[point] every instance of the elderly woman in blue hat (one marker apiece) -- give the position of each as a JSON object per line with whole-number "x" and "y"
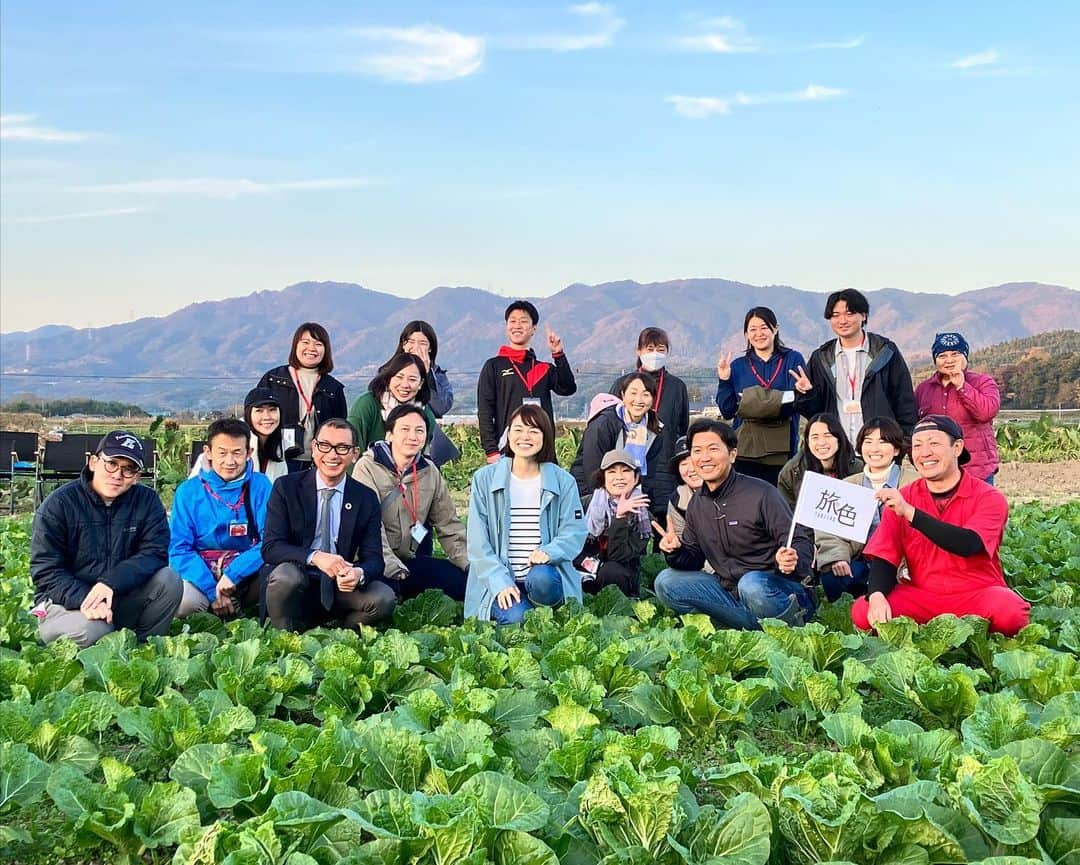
{"x": 970, "y": 398}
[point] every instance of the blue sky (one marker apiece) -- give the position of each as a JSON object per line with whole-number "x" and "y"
{"x": 158, "y": 154}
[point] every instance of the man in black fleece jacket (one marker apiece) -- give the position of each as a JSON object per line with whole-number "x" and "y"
{"x": 515, "y": 377}
{"x": 738, "y": 524}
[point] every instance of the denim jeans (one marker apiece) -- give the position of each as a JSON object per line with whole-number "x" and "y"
{"x": 855, "y": 585}
{"x": 761, "y": 595}
{"x": 542, "y": 587}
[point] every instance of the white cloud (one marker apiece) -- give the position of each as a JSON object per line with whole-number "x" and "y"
{"x": 720, "y": 36}
{"x": 87, "y": 214}
{"x": 701, "y": 107}
{"x": 228, "y": 188}
{"x": 982, "y": 58}
{"x": 418, "y": 55}
{"x": 841, "y": 44}
{"x": 603, "y": 23}
{"x": 20, "y": 127}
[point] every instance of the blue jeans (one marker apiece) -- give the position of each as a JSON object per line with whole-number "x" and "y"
{"x": 855, "y": 585}
{"x": 542, "y": 587}
{"x": 761, "y": 595}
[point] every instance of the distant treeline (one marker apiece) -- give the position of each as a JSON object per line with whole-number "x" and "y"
{"x": 75, "y": 405}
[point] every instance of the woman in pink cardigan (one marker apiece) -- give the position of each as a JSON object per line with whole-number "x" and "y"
{"x": 970, "y": 398}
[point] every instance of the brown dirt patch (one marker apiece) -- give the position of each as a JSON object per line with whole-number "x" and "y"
{"x": 1049, "y": 483}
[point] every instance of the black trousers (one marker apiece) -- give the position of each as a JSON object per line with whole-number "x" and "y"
{"x": 615, "y": 574}
{"x": 292, "y": 599}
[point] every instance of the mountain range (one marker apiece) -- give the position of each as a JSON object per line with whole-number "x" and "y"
{"x": 208, "y": 354}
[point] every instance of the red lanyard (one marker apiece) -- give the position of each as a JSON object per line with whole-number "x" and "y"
{"x": 235, "y": 508}
{"x": 307, "y": 402}
{"x": 855, "y": 375}
{"x": 414, "y": 511}
{"x": 659, "y": 392}
{"x": 519, "y": 375}
{"x": 772, "y": 378}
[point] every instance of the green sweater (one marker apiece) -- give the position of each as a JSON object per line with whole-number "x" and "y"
{"x": 366, "y": 416}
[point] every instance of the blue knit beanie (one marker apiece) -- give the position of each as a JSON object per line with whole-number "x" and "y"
{"x": 949, "y": 342}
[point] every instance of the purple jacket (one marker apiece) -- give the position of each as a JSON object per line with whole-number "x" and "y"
{"x": 974, "y": 407}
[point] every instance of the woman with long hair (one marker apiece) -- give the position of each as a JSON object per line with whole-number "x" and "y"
{"x": 401, "y": 381}
{"x": 825, "y": 450}
{"x": 525, "y": 526}
{"x": 755, "y": 390}
{"x": 418, "y": 338}
{"x": 630, "y": 425}
{"x": 262, "y": 414}
{"x": 306, "y": 392}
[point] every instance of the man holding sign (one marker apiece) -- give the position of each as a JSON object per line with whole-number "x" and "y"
{"x": 738, "y": 525}
{"x": 948, "y": 526}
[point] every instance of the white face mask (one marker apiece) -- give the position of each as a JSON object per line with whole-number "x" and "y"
{"x": 653, "y": 360}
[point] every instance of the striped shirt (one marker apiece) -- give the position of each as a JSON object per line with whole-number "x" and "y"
{"x": 524, "y": 522}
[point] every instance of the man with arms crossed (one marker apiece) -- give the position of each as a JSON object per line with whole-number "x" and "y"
{"x": 948, "y": 527}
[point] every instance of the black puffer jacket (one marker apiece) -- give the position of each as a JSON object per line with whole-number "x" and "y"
{"x": 328, "y": 399}
{"x": 78, "y": 540}
{"x": 606, "y": 432}
{"x": 674, "y": 413}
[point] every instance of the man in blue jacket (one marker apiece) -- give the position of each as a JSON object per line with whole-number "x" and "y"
{"x": 217, "y": 525}
{"x": 99, "y": 551}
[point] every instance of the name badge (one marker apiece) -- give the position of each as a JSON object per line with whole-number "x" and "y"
{"x": 852, "y": 407}
{"x": 238, "y": 530}
{"x": 419, "y": 531}
{"x": 530, "y": 400}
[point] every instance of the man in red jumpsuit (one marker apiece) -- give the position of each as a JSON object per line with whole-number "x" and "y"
{"x": 947, "y": 526}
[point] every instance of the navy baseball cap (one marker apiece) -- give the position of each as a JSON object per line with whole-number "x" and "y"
{"x": 121, "y": 443}
{"x": 944, "y": 423}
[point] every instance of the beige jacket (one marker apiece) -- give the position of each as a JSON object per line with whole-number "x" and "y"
{"x": 435, "y": 509}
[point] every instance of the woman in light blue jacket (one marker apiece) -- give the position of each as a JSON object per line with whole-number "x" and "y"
{"x": 526, "y": 525}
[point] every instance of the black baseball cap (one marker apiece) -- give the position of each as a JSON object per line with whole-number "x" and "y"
{"x": 944, "y": 423}
{"x": 121, "y": 443}
{"x": 260, "y": 396}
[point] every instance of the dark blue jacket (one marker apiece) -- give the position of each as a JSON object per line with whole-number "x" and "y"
{"x": 729, "y": 392}
{"x": 78, "y": 541}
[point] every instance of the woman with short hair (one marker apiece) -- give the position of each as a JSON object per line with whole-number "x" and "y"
{"x": 306, "y": 392}
{"x": 972, "y": 399}
{"x": 525, "y": 526}
{"x": 418, "y": 338}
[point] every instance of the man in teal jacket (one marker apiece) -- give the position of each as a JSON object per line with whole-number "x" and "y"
{"x": 217, "y": 524}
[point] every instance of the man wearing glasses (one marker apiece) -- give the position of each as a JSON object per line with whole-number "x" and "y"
{"x": 100, "y": 549}
{"x": 322, "y": 546}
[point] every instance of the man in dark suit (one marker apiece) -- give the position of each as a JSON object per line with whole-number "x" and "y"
{"x": 322, "y": 544}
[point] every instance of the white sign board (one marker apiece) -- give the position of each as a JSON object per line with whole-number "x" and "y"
{"x": 835, "y": 506}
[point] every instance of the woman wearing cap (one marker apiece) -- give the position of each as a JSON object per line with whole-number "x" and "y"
{"x": 825, "y": 450}
{"x": 402, "y": 381}
{"x": 619, "y": 527}
{"x": 672, "y": 407}
{"x": 755, "y": 390}
{"x": 839, "y": 562}
{"x": 262, "y": 414}
{"x": 525, "y": 526}
{"x": 306, "y": 393}
{"x": 630, "y": 425}
{"x": 972, "y": 399}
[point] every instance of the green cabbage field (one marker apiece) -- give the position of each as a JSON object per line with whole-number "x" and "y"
{"x": 613, "y": 733}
